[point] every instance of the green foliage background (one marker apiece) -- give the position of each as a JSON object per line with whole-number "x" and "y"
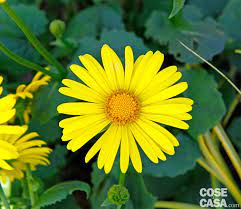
{"x": 211, "y": 28}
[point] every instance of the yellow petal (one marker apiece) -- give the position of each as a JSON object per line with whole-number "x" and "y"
{"x": 5, "y": 165}
{"x": 6, "y": 129}
{"x": 129, "y": 66}
{"x": 29, "y": 144}
{"x": 118, "y": 68}
{"x": 179, "y": 100}
{"x": 134, "y": 153}
{"x": 113, "y": 151}
{"x": 167, "y": 120}
{"x": 8, "y": 151}
{"x": 80, "y": 108}
{"x": 167, "y": 93}
{"x": 7, "y": 103}
{"x": 27, "y": 137}
{"x": 84, "y": 76}
{"x": 80, "y": 91}
{"x": 94, "y": 72}
{"x": 95, "y": 148}
{"x": 152, "y": 67}
{"x": 86, "y": 135}
{"x": 6, "y": 115}
{"x": 138, "y": 71}
{"x": 124, "y": 150}
{"x": 1, "y": 80}
{"x": 183, "y": 116}
{"x": 104, "y": 83}
{"x": 156, "y": 86}
{"x": 167, "y": 109}
{"x": 107, "y": 146}
{"x": 156, "y": 149}
{"x": 153, "y": 130}
{"x": 144, "y": 144}
{"x": 82, "y": 122}
{"x": 109, "y": 68}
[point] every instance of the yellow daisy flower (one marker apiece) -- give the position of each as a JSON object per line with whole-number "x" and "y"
{"x": 128, "y": 103}
{"x": 26, "y": 91}
{"x": 17, "y": 150}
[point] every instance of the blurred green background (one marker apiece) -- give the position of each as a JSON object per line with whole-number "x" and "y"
{"x": 211, "y": 28}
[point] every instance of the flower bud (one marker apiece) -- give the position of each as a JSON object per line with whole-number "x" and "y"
{"x": 118, "y": 195}
{"x": 57, "y": 28}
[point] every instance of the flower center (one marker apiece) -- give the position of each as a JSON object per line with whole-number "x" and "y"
{"x": 122, "y": 107}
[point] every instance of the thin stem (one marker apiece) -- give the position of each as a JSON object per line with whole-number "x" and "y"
{"x": 122, "y": 179}
{"x": 223, "y": 179}
{"x": 231, "y": 109}
{"x": 4, "y": 198}
{"x": 30, "y": 185}
{"x": 26, "y": 63}
{"x": 213, "y": 147}
{"x": 201, "y": 161}
{"x": 212, "y": 66}
{"x": 33, "y": 40}
{"x": 219, "y": 171}
{"x": 229, "y": 148}
{"x": 175, "y": 205}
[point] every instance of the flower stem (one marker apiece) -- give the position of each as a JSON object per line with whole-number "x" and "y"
{"x": 218, "y": 171}
{"x": 229, "y": 148}
{"x": 122, "y": 179}
{"x": 175, "y": 205}
{"x": 231, "y": 109}
{"x": 27, "y": 63}
{"x": 30, "y": 185}
{"x": 212, "y": 145}
{"x": 33, "y": 40}
{"x": 4, "y": 198}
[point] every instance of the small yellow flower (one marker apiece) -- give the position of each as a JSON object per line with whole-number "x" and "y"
{"x": 26, "y": 91}
{"x": 18, "y": 150}
{"x": 2, "y": 1}
{"x": 128, "y": 104}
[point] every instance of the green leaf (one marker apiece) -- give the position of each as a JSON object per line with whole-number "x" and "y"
{"x": 92, "y": 21}
{"x": 177, "y": 6}
{"x": 60, "y": 192}
{"x": 183, "y": 160}
{"x": 201, "y": 35}
{"x": 209, "y": 107}
{"x": 234, "y": 132}
{"x": 46, "y": 130}
{"x": 230, "y": 19}
{"x": 208, "y": 9}
{"x": 51, "y": 174}
{"x": 65, "y": 204}
{"x": 139, "y": 196}
{"x": 45, "y": 109}
{"x": 15, "y": 40}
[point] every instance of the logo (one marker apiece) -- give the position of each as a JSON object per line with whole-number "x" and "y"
{"x": 215, "y": 198}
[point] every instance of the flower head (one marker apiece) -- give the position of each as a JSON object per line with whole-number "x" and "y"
{"x": 18, "y": 150}
{"x": 128, "y": 104}
{"x": 26, "y": 91}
